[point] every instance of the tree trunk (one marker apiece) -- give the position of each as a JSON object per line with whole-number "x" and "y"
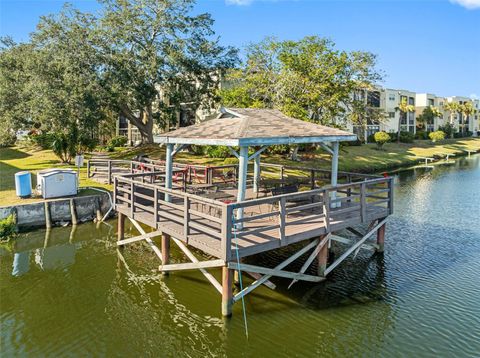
{"x": 294, "y": 154}
{"x": 144, "y": 122}
{"x": 399, "y": 127}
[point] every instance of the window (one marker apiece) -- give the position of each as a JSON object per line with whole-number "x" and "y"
{"x": 391, "y": 114}
{"x": 391, "y": 97}
{"x": 441, "y": 103}
{"x": 430, "y": 102}
{"x": 411, "y": 118}
{"x": 373, "y": 98}
{"x": 411, "y": 100}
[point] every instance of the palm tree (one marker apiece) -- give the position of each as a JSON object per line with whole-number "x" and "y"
{"x": 403, "y": 108}
{"x": 467, "y": 109}
{"x": 451, "y": 107}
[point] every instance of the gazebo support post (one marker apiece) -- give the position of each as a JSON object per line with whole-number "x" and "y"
{"x": 242, "y": 178}
{"x": 256, "y": 173}
{"x": 334, "y": 178}
{"x": 168, "y": 169}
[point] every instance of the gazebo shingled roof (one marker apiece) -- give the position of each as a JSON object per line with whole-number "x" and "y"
{"x": 252, "y": 127}
{"x": 247, "y": 127}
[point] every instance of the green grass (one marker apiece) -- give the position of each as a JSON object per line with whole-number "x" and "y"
{"x": 365, "y": 159}
{"x": 13, "y": 160}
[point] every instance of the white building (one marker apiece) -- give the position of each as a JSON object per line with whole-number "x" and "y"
{"x": 388, "y": 100}
{"x": 460, "y": 121}
{"x": 391, "y": 101}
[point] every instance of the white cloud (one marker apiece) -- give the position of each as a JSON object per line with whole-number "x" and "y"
{"x": 239, "y": 2}
{"x": 469, "y": 4}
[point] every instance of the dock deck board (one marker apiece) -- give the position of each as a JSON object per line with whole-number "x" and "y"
{"x": 299, "y": 227}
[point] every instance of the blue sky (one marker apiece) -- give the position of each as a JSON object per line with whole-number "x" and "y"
{"x": 424, "y": 46}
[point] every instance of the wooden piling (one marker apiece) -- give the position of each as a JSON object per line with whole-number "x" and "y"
{"x": 322, "y": 260}
{"x": 381, "y": 238}
{"x": 227, "y": 292}
{"x": 165, "y": 252}
{"x": 73, "y": 212}
{"x": 98, "y": 210}
{"x": 121, "y": 226}
{"x": 48, "y": 218}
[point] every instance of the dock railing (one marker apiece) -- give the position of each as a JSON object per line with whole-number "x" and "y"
{"x": 287, "y": 217}
{"x": 218, "y": 174}
{"x": 199, "y": 174}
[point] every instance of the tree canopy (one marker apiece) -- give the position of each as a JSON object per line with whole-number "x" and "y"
{"x": 308, "y": 79}
{"x": 143, "y": 59}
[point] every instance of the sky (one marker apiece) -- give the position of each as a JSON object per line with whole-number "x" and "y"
{"x": 424, "y": 46}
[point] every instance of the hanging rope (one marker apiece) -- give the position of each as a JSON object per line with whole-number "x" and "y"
{"x": 235, "y": 239}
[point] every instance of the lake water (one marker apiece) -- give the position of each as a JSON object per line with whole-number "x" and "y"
{"x": 69, "y": 293}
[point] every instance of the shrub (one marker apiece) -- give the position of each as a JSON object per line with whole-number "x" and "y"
{"x": 43, "y": 140}
{"x": 7, "y": 227}
{"x": 448, "y": 129}
{"x": 355, "y": 143}
{"x": 437, "y": 136}
{"x": 64, "y": 147}
{"x": 197, "y": 149}
{"x": 421, "y": 135}
{"x": 462, "y": 134}
{"x": 229, "y": 161}
{"x": 86, "y": 143}
{"x": 7, "y": 137}
{"x": 279, "y": 149}
{"x": 381, "y": 138}
{"x": 406, "y": 137}
{"x": 393, "y": 136}
{"x": 217, "y": 151}
{"x": 118, "y": 141}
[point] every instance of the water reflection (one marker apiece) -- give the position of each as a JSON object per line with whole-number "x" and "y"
{"x": 70, "y": 292}
{"x": 53, "y": 253}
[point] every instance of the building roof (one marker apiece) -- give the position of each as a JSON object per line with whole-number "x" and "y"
{"x": 250, "y": 126}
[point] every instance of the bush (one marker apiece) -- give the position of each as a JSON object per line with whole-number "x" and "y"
{"x": 279, "y": 149}
{"x": 381, "y": 138}
{"x": 64, "y": 147}
{"x": 462, "y": 134}
{"x": 86, "y": 143}
{"x": 355, "y": 143}
{"x": 7, "y": 137}
{"x": 448, "y": 129}
{"x": 437, "y": 136}
{"x": 197, "y": 149}
{"x": 406, "y": 137}
{"x": 217, "y": 151}
{"x": 421, "y": 135}
{"x": 118, "y": 141}
{"x": 7, "y": 227}
{"x": 43, "y": 140}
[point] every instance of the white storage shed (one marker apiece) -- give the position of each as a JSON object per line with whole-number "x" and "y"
{"x": 54, "y": 183}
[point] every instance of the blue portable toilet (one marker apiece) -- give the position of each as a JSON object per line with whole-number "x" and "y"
{"x": 23, "y": 184}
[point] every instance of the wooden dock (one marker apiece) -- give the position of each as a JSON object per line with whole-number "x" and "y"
{"x": 268, "y": 223}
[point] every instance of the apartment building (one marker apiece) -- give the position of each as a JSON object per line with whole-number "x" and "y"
{"x": 461, "y": 122}
{"x": 425, "y": 100}
{"x": 386, "y": 100}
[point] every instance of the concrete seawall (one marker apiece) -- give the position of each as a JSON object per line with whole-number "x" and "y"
{"x": 85, "y": 208}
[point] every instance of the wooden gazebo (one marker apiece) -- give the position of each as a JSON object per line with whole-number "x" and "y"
{"x": 231, "y": 231}
{"x": 258, "y": 128}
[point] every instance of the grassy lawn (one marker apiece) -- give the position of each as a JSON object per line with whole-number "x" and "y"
{"x": 13, "y": 160}
{"x": 365, "y": 159}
